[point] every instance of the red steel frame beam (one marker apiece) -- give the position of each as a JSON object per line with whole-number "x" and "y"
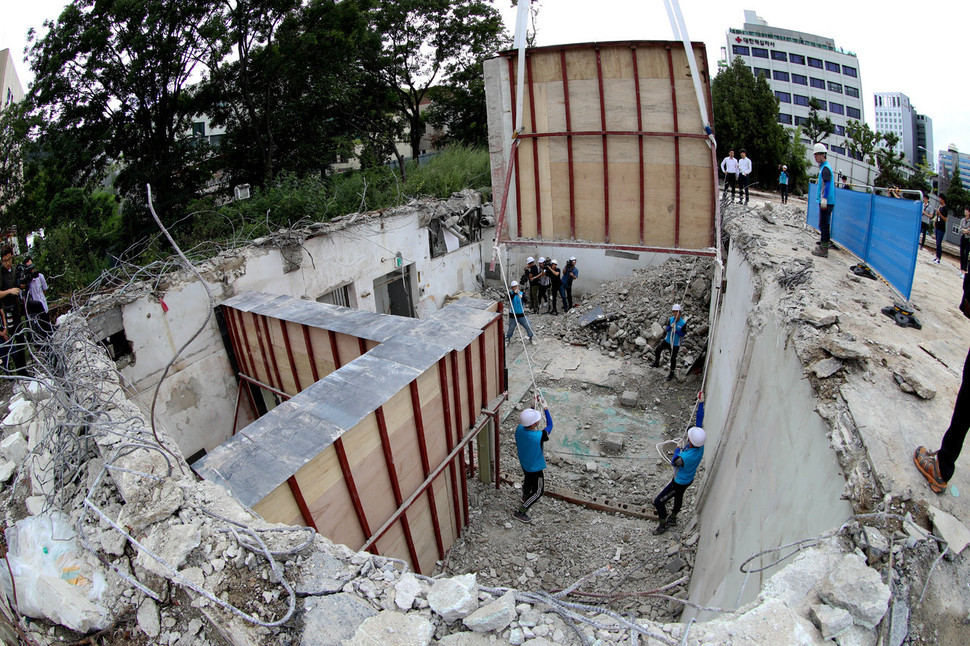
{"x": 235, "y": 412}
{"x": 467, "y": 354}
{"x": 289, "y": 355}
{"x": 272, "y": 355}
{"x": 594, "y": 245}
{"x": 396, "y": 485}
{"x": 603, "y": 133}
{"x": 446, "y": 415}
{"x": 333, "y": 349}
{"x": 309, "y": 352}
{"x": 606, "y": 157}
{"x": 426, "y": 466}
{"x": 249, "y": 347}
{"x": 348, "y": 475}
{"x": 262, "y": 349}
{"x": 535, "y": 148}
{"x": 448, "y": 461}
{"x": 362, "y": 345}
{"x": 515, "y": 157}
{"x": 503, "y": 386}
{"x": 673, "y": 98}
{"x": 457, "y": 388}
{"x": 234, "y": 340}
{"x": 301, "y": 502}
{"x": 636, "y": 91}
{"x": 569, "y": 145}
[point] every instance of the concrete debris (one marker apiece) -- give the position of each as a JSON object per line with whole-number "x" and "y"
{"x": 675, "y": 565}
{"x": 911, "y": 380}
{"x": 611, "y": 443}
{"x": 628, "y": 398}
{"x": 330, "y": 619}
{"x": 406, "y": 591}
{"x": 149, "y": 621}
{"x": 454, "y": 598}
{"x": 825, "y": 368}
{"x": 857, "y": 588}
{"x": 857, "y": 636}
{"x": 323, "y": 573}
{"x": 845, "y": 349}
{"x": 951, "y": 530}
{"x": 875, "y": 542}
{"x": 391, "y": 628}
{"x": 493, "y": 617}
{"x": 6, "y": 470}
{"x": 171, "y": 544}
{"x": 818, "y": 317}
{"x": 899, "y": 620}
{"x": 14, "y": 448}
{"x": 831, "y": 621}
{"x": 472, "y": 639}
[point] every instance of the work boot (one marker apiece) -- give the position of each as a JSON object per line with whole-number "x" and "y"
{"x": 662, "y": 527}
{"x": 672, "y": 520}
{"x": 521, "y": 516}
{"x": 820, "y": 251}
{"x": 532, "y": 341}
{"x": 928, "y": 464}
{"x": 670, "y": 376}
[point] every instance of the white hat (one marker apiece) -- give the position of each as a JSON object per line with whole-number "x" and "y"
{"x": 553, "y": 262}
{"x": 542, "y": 259}
{"x": 530, "y": 259}
{"x": 820, "y": 148}
{"x": 696, "y": 435}
{"x": 514, "y": 283}
{"x": 783, "y": 167}
{"x": 572, "y": 258}
{"x": 676, "y": 307}
{"x": 529, "y": 416}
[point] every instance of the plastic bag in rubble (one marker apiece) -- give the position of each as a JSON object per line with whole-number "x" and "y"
{"x": 53, "y": 579}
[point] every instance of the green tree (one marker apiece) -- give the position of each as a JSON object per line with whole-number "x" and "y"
{"x": 815, "y": 127}
{"x": 458, "y": 108}
{"x": 861, "y": 142}
{"x": 794, "y": 157}
{"x": 426, "y": 43}
{"x": 920, "y": 180}
{"x": 889, "y": 162}
{"x": 746, "y": 116}
{"x": 957, "y": 196}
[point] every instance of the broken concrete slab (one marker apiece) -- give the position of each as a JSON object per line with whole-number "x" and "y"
{"x": 857, "y": 636}
{"x": 950, "y": 529}
{"x": 843, "y": 348}
{"x": 149, "y": 621}
{"x": 875, "y": 541}
{"x": 917, "y": 381}
{"x": 330, "y": 619}
{"x": 14, "y": 448}
{"x": 454, "y": 598}
{"x": 493, "y": 617}
{"x": 830, "y": 621}
{"x": 471, "y": 639}
{"x": 825, "y": 368}
{"x": 628, "y": 398}
{"x": 7, "y": 470}
{"x": 171, "y": 544}
{"x": 322, "y": 573}
{"x": 611, "y": 443}
{"x": 406, "y": 591}
{"x": 391, "y": 628}
{"x": 818, "y": 317}
{"x": 857, "y": 588}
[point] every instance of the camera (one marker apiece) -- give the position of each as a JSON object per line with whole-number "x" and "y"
{"x": 25, "y": 273}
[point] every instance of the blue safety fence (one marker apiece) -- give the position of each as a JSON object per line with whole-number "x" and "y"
{"x": 882, "y": 231}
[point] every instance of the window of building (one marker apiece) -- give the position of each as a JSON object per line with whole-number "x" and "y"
{"x": 815, "y": 62}
{"x": 840, "y": 131}
{"x": 822, "y": 105}
{"x": 783, "y": 97}
{"x": 760, "y": 71}
{"x": 741, "y": 50}
{"x": 800, "y": 120}
{"x": 784, "y": 118}
{"x": 759, "y": 52}
{"x": 836, "y": 108}
{"x": 819, "y": 83}
{"x": 780, "y": 76}
{"x": 854, "y": 113}
{"x": 852, "y": 91}
{"x": 801, "y": 100}
{"x": 796, "y": 58}
{"x": 800, "y": 79}
{"x": 343, "y": 296}
{"x": 849, "y": 71}
{"x": 198, "y": 129}
{"x": 832, "y": 67}
{"x": 835, "y": 87}
{"x": 837, "y": 149}
{"x": 778, "y": 56}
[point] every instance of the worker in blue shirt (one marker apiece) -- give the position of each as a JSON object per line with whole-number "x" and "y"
{"x": 528, "y": 443}
{"x": 685, "y": 463}
{"x": 517, "y": 314}
{"x": 676, "y": 328}
{"x": 826, "y": 201}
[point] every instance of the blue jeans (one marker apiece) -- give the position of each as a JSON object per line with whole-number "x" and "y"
{"x": 939, "y": 242}
{"x": 524, "y": 322}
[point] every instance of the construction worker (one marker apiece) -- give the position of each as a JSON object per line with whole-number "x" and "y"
{"x": 685, "y": 463}
{"x": 676, "y": 328}
{"x": 783, "y": 184}
{"x": 528, "y": 444}
{"x": 533, "y": 277}
{"x": 517, "y": 314}
{"x": 826, "y": 200}
{"x": 570, "y": 274}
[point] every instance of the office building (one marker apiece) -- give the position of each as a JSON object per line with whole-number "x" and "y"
{"x": 10, "y": 89}
{"x": 895, "y": 114}
{"x": 924, "y": 139}
{"x": 799, "y": 67}
{"x": 948, "y": 160}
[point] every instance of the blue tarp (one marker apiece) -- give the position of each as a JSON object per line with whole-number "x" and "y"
{"x": 882, "y": 231}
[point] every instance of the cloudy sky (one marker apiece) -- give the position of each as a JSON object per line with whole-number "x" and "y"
{"x": 917, "y": 48}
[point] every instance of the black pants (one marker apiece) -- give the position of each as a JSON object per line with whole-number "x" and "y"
{"x": 730, "y": 179}
{"x": 673, "y": 354}
{"x": 555, "y": 292}
{"x": 784, "y": 193}
{"x": 672, "y": 490}
{"x": 743, "y": 187}
{"x": 567, "y": 301}
{"x": 534, "y": 296}
{"x": 964, "y": 252}
{"x": 959, "y": 423}
{"x": 542, "y": 294}
{"x": 533, "y": 484}
{"x": 924, "y": 227}
{"x": 13, "y": 351}
{"x": 824, "y": 224}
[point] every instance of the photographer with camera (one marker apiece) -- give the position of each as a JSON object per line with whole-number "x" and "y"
{"x": 11, "y": 313}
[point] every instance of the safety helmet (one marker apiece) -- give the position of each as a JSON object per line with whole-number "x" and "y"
{"x": 542, "y": 259}
{"x": 553, "y": 262}
{"x": 514, "y": 283}
{"x": 676, "y": 307}
{"x": 696, "y": 435}
{"x": 530, "y": 259}
{"x": 572, "y": 258}
{"x": 529, "y": 416}
{"x": 820, "y": 148}
{"x": 783, "y": 167}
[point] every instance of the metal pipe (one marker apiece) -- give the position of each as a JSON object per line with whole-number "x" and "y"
{"x": 272, "y": 389}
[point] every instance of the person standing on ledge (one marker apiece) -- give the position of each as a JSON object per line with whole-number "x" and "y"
{"x": 528, "y": 444}
{"x": 685, "y": 463}
{"x": 676, "y": 328}
{"x": 744, "y": 176}
{"x": 729, "y": 166}
{"x": 783, "y": 184}
{"x": 938, "y": 467}
{"x": 826, "y": 200}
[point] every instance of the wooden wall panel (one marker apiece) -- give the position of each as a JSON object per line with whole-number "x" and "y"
{"x": 280, "y": 507}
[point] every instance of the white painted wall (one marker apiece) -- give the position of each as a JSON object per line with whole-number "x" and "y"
{"x": 197, "y": 398}
{"x": 770, "y": 477}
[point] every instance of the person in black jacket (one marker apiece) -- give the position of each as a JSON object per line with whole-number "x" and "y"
{"x": 555, "y": 284}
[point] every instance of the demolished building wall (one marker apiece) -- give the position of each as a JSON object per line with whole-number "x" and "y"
{"x": 158, "y": 317}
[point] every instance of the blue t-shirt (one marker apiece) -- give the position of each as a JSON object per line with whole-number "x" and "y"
{"x": 517, "y": 303}
{"x": 684, "y": 475}
{"x": 783, "y": 178}
{"x": 571, "y": 274}
{"x": 528, "y": 443}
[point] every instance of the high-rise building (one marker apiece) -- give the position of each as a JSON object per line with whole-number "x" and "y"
{"x": 949, "y": 159}
{"x": 10, "y": 89}
{"x": 800, "y": 67}
{"x": 895, "y": 114}
{"x": 924, "y": 139}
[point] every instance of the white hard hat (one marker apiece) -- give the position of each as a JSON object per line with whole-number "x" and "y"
{"x": 514, "y": 283}
{"x": 696, "y": 435}
{"x": 542, "y": 258}
{"x": 820, "y": 148}
{"x": 572, "y": 258}
{"x": 529, "y": 416}
{"x": 783, "y": 167}
{"x": 530, "y": 259}
{"x": 553, "y": 262}
{"x": 676, "y": 307}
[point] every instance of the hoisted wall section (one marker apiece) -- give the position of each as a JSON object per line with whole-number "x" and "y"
{"x": 372, "y": 454}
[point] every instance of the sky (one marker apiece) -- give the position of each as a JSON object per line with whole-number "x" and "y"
{"x": 917, "y": 48}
